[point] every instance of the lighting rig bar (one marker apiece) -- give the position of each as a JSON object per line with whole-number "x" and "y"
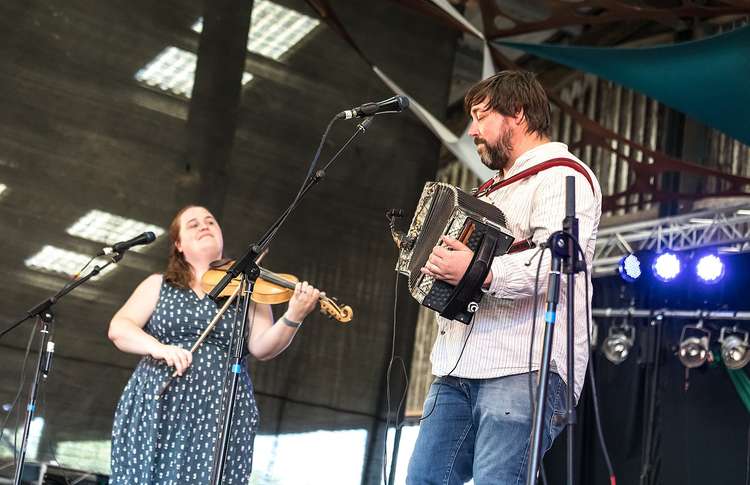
{"x": 724, "y": 228}
{"x": 690, "y": 314}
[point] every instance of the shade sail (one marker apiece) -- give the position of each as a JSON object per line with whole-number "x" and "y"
{"x": 707, "y": 79}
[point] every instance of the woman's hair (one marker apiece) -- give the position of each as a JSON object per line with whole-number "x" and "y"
{"x": 179, "y": 272}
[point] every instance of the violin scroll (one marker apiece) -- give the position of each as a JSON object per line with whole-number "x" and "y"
{"x": 328, "y": 306}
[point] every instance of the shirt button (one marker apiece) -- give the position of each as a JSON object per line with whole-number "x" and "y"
{"x": 442, "y": 332}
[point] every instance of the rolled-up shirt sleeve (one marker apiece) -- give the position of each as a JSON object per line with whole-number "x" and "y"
{"x": 512, "y": 275}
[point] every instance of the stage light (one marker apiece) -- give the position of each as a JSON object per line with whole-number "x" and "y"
{"x": 710, "y": 269}
{"x": 666, "y": 267}
{"x": 594, "y": 337}
{"x": 630, "y": 268}
{"x": 734, "y": 347}
{"x": 693, "y": 350}
{"x": 616, "y": 347}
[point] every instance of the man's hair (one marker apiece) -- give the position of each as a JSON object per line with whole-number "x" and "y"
{"x": 509, "y": 92}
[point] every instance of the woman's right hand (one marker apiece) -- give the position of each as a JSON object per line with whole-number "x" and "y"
{"x": 174, "y": 356}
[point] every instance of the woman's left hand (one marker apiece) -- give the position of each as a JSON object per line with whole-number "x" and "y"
{"x": 304, "y": 300}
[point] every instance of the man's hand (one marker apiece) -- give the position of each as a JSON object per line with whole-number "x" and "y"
{"x": 449, "y": 262}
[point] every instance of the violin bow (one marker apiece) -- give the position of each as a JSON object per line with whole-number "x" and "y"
{"x": 200, "y": 340}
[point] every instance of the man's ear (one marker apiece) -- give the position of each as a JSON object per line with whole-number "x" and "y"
{"x": 519, "y": 119}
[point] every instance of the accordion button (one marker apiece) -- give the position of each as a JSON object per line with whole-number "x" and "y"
{"x": 442, "y": 332}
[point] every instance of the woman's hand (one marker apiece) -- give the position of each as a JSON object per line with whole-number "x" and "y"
{"x": 303, "y": 301}
{"x": 174, "y": 356}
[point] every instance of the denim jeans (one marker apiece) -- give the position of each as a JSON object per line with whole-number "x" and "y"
{"x": 481, "y": 429}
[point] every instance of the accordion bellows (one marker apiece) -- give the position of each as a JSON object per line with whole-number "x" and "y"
{"x": 446, "y": 210}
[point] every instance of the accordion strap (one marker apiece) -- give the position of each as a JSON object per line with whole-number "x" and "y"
{"x": 468, "y": 288}
{"x": 488, "y": 187}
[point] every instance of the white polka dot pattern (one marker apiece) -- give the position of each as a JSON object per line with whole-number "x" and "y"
{"x": 171, "y": 441}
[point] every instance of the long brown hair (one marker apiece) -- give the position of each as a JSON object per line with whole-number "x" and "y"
{"x": 509, "y": 92}
{"x": 179, "y": 272}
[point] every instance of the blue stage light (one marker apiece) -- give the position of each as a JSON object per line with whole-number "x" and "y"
{"x": 710, "y": 269}
{"x": 630, "y": 268}
{"x": 666, "y": 267}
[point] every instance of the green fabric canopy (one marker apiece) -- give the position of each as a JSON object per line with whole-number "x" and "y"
{"x": 707, "y": 79}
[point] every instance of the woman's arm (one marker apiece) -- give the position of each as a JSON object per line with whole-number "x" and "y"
{"x": 267, "y": 340}
{"x": 126, "y": 328}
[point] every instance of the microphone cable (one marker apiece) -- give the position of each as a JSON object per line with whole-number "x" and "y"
{"x": 19, "y": 392}
{"x": 308, "y": 177}
{"x": 406, "y": 386}
{"x": 392, "y": 359}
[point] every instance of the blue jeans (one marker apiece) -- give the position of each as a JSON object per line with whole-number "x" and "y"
{"x": 481, "y": 429}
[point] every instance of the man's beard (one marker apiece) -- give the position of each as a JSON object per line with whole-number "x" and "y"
{"x": 496, "y": 156}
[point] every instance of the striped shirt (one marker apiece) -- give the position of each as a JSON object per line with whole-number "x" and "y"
{"x": 499, "y": 343}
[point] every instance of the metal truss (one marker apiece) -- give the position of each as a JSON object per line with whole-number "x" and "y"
{"x": 724, "y": 228}
{"x": 691, "y": 314}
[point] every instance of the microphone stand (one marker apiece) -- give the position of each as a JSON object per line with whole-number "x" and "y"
{"x": 247, "y": 267}
{"x": 564, "y": 259}
{"x": 43, "y": 311}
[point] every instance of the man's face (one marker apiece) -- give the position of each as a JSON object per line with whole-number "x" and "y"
{"x": 492, "y": 135}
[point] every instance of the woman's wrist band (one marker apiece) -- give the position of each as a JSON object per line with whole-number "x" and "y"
{"x": 290, "y": 323}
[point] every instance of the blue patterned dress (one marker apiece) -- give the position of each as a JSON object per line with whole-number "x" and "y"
{"x": 170, "y": 441}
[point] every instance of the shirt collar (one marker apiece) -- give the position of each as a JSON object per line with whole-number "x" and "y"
{"x": 536, "y": 156}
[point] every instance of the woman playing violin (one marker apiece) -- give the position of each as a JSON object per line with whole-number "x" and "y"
{"x": 170, "y": 441}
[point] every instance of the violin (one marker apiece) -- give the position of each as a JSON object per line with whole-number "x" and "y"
{"x": 271, "y": 288}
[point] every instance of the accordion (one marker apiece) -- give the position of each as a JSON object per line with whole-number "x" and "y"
{"x": 446, "y": 210}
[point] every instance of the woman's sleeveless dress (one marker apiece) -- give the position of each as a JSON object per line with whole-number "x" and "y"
{"x": 170, "y": 441}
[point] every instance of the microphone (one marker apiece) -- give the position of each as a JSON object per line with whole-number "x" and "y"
{"x": 121, "y": 247}
{"x": 395, "y": 104}
{"x": 47, "y": 358}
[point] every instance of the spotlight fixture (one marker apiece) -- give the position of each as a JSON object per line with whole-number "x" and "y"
{"x": 620, "y": 338}
{"x": 693, "y": 350}
{"x": 629, "y": 268}
{"x": 710, "y": 269}
{"x": 666, "y": 267}
{"x": 735, "y": 351}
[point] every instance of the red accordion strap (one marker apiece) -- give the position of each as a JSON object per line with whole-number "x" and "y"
{"x": 488, "y": 187}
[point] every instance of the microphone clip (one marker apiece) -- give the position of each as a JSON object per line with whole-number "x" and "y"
{"x": 399, "y": 237}
{"x": 365, "y": 123}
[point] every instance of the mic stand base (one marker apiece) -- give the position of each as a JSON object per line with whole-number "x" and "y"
{"x": 241, "y": 331}
{"x": 46, "y": 320}
{"x": 564, "y": 247}
{"x": 553, "y": 296}
{"x": 247, "y": 265}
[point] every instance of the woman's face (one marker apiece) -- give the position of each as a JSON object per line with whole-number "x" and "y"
{"x": 200, "y": 235}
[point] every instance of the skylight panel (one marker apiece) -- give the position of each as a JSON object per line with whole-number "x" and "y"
{"x": 109, "y": 228}
{"x": 173, "y": 70}
{"x": 274, "y": 29}
{"x": 52, "y": 259}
